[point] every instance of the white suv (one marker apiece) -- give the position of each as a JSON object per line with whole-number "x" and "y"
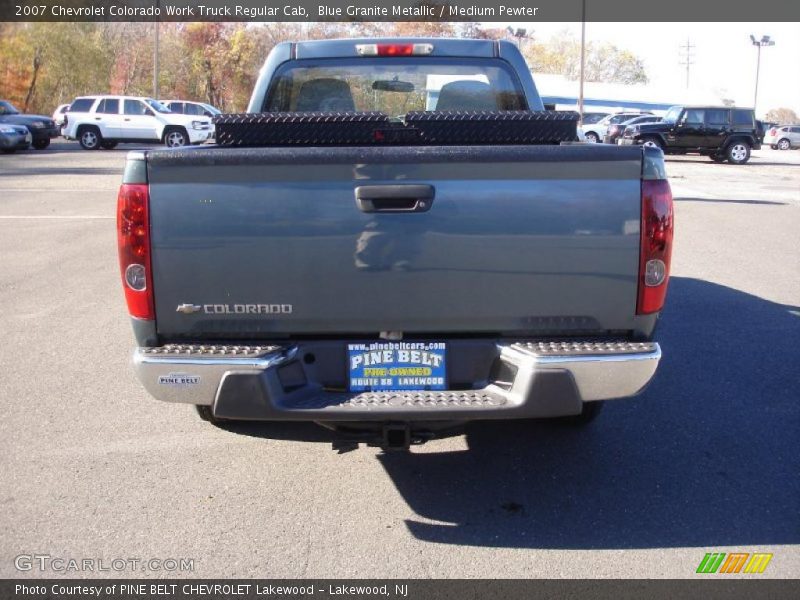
{"x": 105, "y": 121}
{"x": 188, "y": 107}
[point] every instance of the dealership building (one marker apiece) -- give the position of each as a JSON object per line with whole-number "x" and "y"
{"x": 562, "y": 94}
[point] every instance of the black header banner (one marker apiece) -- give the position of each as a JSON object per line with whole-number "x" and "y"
{"x": 392, "y": 589}
{"x": 401, "y": 10}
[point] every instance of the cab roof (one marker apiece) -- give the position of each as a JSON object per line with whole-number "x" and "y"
{"x": 452, "y": 47}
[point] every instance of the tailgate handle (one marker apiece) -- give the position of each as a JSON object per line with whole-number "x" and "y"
{"x": 400, "y": 198}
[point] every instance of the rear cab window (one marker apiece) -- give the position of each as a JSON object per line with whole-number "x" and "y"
{"x": 394, "y": 86}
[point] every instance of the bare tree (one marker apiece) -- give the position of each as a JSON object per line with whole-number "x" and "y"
{"x": 782, "y": 116}
{"x": 37, "y": 64}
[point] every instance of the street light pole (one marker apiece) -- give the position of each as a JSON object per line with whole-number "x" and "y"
{"x": 764, "y": 41}
{"x": 155, "y": 63}
{"x": 155, "y": 53}
{"x": 519, "y": 34}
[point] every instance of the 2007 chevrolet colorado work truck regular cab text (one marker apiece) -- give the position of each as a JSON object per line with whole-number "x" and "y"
{"x": 395, "y": 238}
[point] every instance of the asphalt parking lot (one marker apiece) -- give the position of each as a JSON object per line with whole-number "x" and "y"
{"x": 705, "y": 460}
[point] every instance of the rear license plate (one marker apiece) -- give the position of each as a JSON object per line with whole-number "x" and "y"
{"x": 390, "y": 366}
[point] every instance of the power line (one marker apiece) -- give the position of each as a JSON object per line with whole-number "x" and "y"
{"x": 687, "y": 55}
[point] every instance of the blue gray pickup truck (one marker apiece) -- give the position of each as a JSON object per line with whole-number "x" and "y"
{"x": 419, "y": 245}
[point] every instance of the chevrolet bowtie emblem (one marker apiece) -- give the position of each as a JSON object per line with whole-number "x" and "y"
{"x": 188, "y": 309}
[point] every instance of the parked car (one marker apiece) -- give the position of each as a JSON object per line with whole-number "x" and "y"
{"x": 783, "y": 138}
{"x": 14, "y": 137}
{"x": 767, "y": 125}
{"x": 615, "y": 131}
{"x": 392, "y": 289}
{"x": 42, "y": 128}
{"x": 105, "y": 121}
{"x": 719, "y": 132}
{"x": 188, "y": 107}
{"x": 595, "y": 132}
{"x": 58, "y": 114}
{"x": 589, "y": 118}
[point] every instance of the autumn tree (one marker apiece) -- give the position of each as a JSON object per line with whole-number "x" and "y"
{"x": 605, "y": 62}
{"x": 435, "y": 29}
{"x": 782, "y": 116}
{"x": 561, "y": 55}
{"x": 44, "y": 64}
{"x": 130, "y": 50}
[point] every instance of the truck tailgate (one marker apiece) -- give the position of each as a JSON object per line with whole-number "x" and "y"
{"x": 514, "y": 239}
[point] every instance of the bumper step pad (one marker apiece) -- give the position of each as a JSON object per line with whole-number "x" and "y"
{"x": 537, "y": 378}
{"x": 562, "y": 348}
{"x": 417, "y": 400}
{"x": 209, "y": 351}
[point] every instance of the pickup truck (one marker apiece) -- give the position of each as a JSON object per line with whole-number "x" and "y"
{"x": 390, "y": 290}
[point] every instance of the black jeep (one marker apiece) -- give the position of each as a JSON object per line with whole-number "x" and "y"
{"x": 719, "y": 132}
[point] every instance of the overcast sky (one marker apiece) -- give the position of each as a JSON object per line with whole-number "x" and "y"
{"x": 724, "y": 59}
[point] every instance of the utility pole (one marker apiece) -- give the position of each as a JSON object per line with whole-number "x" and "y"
{"x": 155, "y": 64}
{"x": 687, "y": 56}
{"x": 764, "y": 41}
{"x": 155, "y": 55}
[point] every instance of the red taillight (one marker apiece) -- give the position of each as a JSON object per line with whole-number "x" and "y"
{"x": 395, "y": 49}
{"x": 773, "y": 131}
{"x": 656, "y": 245}
{"x": 133, "y": 241}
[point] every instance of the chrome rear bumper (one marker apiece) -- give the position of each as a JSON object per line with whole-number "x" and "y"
{"x": 527, "y": 379}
